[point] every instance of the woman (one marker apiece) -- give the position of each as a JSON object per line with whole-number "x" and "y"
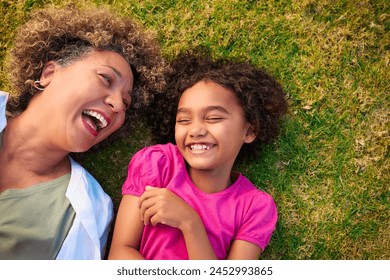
{"x": 75, "y": 73}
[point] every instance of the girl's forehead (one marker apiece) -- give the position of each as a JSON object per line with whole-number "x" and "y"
{"x": 205, "y": 95}
{"x": 208, "y": 92}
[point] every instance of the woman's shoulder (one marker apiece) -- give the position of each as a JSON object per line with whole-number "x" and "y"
{"x": 3, "y": 101}
{"x": 85, "y": 185}
{"x": 3, "y": 117}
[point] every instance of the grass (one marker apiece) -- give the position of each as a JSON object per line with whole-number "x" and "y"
{"x": 329, "y": 170}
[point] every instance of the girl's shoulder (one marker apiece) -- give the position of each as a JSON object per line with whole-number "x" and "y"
{"x": 153, "y": 166}
{"x": 157, "y": 155}
{"x": 159, "y": 149}
{"x": 248, "y": 190}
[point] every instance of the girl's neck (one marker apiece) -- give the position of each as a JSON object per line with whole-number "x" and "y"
{"x": 210, "y": 181}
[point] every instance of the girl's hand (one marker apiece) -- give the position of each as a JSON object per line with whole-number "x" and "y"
{"x": 160, "y": 205}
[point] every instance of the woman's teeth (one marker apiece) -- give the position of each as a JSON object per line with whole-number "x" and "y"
{"x": 101, "y": 121}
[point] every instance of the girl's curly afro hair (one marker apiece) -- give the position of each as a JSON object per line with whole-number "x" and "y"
{"x": 263, "y": 100}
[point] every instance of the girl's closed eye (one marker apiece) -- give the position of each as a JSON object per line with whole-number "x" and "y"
{"x": 214, "y": 118}
{"x": 183, "y": 120}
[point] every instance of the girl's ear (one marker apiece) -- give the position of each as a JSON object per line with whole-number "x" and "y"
{"x": 48, "y": 73}
{"x": 250, "y": 135}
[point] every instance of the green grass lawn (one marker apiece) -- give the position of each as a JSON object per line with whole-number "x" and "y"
{"x": 329, "y": 170}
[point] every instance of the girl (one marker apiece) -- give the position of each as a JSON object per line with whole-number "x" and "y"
{"x": 198, "y": 208}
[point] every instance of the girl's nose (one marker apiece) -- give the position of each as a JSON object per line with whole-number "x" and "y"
{"x": 197, "y": 130}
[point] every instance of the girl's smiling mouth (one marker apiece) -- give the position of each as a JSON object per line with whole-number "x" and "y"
{"x": 200, "y": 147}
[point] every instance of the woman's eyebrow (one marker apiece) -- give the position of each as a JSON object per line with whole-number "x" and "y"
{"x": 115, "y": 70}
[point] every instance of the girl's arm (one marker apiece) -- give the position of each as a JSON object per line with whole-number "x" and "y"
{"x": 160, "y": 205}
{"x": 197, "y": 241}
{"x": 243, "y": 250}
{"x": 127, "y": 231}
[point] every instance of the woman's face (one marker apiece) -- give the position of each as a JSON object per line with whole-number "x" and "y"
{"x": 85, "y": 102}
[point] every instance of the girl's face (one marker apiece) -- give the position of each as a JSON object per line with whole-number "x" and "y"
{"x": 85, "y": 102}
{"x": 210, "y": 127}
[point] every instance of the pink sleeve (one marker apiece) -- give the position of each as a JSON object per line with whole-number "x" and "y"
{"x": 148, "y": 167}
{"x": 259, "y": 222}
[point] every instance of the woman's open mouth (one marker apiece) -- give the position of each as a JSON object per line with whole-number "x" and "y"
{"x": 94, "y": 121}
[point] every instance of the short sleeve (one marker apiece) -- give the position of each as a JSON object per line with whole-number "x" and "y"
{"x": 259, "y": 220}
{"x": 148, "y": 167}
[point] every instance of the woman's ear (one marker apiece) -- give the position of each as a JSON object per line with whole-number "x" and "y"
{"x": 250, "y": 135}
{"x": 48, "y": 73}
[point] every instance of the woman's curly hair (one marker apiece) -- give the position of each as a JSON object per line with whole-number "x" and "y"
{"x": 263, "y": 100}
{"x": 67, "y": 34}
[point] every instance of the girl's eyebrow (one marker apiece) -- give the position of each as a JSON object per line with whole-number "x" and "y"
{"x": 182, "y": 110}
{"x": 207, "y": 109}
{"x": 216, "y": 108}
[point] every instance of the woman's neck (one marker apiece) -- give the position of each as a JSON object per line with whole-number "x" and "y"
{"x": 25, "y": 159}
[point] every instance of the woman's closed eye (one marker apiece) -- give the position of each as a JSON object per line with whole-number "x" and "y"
{"x": 106, "y": 79}
{"x": 127, "y": 103}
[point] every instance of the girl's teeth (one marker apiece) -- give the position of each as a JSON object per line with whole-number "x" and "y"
{"x": 199, "y": 147}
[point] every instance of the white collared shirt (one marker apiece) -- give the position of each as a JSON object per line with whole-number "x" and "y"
{"x": 3, "y": 103}
{"x": 94, "y": 211}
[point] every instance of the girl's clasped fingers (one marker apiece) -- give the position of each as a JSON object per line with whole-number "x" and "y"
{"x": 148, "y": 193}
{"x": 159, "y": 205}
{"x": 149, "y": 215}
{"x": 145, "y": 203}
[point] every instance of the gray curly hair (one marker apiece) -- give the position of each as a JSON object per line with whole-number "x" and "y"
{"x": 67, "y": 34}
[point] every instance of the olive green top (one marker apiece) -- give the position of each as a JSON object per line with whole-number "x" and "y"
{"x": 34, "y": 221}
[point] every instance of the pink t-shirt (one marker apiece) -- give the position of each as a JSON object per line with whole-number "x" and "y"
{"x": 240, "y": 212}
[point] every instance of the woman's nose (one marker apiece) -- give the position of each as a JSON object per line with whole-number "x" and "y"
{"x": 115, "y": 101}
